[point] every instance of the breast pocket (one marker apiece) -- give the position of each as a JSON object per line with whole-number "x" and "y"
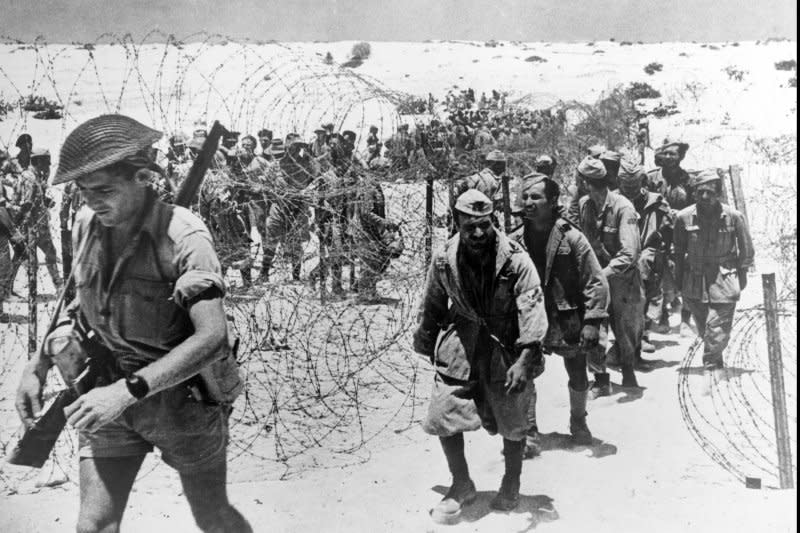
{"x": 148, "y": 314}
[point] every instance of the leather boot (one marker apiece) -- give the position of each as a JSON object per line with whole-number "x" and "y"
{"x": 507, "y": 497}
{"x": 629, "y": 377}
{"x": 462, "y": 492}
{"x": 577, "y": 417}
{"x": 601, "y": 385}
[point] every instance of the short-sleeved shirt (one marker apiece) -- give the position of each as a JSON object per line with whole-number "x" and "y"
{"x": 137, "y": 303}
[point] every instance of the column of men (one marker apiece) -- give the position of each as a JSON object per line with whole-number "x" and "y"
{"x": 272, "y": 188}
{"x": 617, "y": 255}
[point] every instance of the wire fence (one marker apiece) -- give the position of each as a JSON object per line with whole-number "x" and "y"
{"x": 324, "y": 376}
{"x": 735, "y": 426}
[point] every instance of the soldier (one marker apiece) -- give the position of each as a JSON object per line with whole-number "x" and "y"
{"x": 672, "y": 182}
{"x": 287, "y": 222}
{"x": 150, "y": 288}
{"x": 489, "y": 341}
{"x": 655, "y": 234}
{"x": 10, "y": 236}
{"x": 497, "y": 164}
{"x": 713, "y": 251}
{"x": 611, "y": 161}
{"x": 610, "y": 223}
{"x": 320, "y": 145}
{"x": 32, "y": 203}
{"x": 375, "y": 238}
{"x": 374, "y": 144}
{"x": 575, "y": 295}
{"x": 265, "y": 140}
{"x": 546, "y": 164}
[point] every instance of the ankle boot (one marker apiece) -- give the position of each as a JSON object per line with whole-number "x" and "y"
{"x": 601, "y": 385}
{"x": 629, "y": 377}
{"x": 507, "y": 497}
{"x": 462, "y": 492}
{"x": 577, "y": 417}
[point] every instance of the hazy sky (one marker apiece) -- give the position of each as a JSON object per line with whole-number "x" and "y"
{"x": 405, "y": 20}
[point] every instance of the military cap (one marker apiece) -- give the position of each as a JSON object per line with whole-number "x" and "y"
{"x": 682, "y": 146}
{"x": 349, "y": 135}
{"x": 328, "y": 126}
{"x": 544, "y": 159}
{"x": 610, "y": 155}
{"x": 232, "y": 136}
{"x": 265, "y": 133}
{"x": 276, "y": 147}
{"x": 496, "y": 155}
{"x": 178, "y": 139}
{"x": 320, "y": 130}
{"x": 597, "y": 150}
{"x": 40, "y": 152}
{"x": 630, "y": 170}
{"x": 528, "y": 180}
{"x": 100, "y": 142}
{"x": 705, "y": 176}
{"x": 591, "y": 168}
{"x": 474, "y": 203}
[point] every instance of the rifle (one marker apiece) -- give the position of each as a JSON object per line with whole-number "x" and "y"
{"x": 83, "y": 369}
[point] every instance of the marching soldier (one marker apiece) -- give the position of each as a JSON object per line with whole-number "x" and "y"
{"x": 150, "y": 287}
{"x": 610, "y": 223}
{"x": 575, "y": 295}
{"x": 655, "y": 234}
{"x": 713, "y": 251}
{"x": 484, "y": 304}
{"x": 672, "y": 182}
{"x": 32, "y": 210}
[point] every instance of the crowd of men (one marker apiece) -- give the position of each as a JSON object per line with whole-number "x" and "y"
{"x": 525, "y": 273}
{"x": 273, "y": 185}
{"x": 625, "y": 250}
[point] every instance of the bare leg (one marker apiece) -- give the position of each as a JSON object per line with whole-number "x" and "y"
{"x": 208, "y": 497}
{"x": 105, "y": 485}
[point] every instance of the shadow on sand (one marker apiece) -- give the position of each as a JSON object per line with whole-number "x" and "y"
{"x": 562, "y": 441}
{"x": 732, "y": 372}
{"x": 540, "y": 507}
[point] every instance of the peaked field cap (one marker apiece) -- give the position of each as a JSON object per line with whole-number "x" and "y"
{"x": 630, "y": 170}
{"x": 100, "y": 142}
{"x": 682, "y": 146}
{"x": 597, "y": 150}
{"x": 40, "y": 152}
{"x": 496, "y": 155}
{"x": 610, "y": 155}
{"x": 705, "y": 176}
{"x": 592, "y": 168}
{"x": 474, "y": 203}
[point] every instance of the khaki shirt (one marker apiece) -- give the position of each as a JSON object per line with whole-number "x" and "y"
{"x": 136, "y": 303}
{"x": 613, "y": 232}
{"x": 709, "y": 256}
{"x": 516, "y": 316}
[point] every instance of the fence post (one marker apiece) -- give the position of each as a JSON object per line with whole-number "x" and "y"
{"x": 428, "y": 220}
{"x": 738, "y": 196}
{"x": 776, "y": 381}
{"x": 33, "y": 269}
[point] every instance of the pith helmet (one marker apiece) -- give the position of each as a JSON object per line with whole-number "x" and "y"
{"x": 100, "y": 142}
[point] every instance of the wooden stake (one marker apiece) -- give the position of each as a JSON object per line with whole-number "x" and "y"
{"x": 776, "y": 381}
{"x": 33, "y": 269}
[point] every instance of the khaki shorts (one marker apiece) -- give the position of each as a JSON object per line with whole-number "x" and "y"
{"x": 190, "y": 435}
{"x": 457, "y": 406}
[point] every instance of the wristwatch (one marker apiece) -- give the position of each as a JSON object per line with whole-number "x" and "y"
{"x": 137, "y": 386}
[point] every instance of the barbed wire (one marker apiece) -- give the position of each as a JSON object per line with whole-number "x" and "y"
{"x": 324, "y": 376}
